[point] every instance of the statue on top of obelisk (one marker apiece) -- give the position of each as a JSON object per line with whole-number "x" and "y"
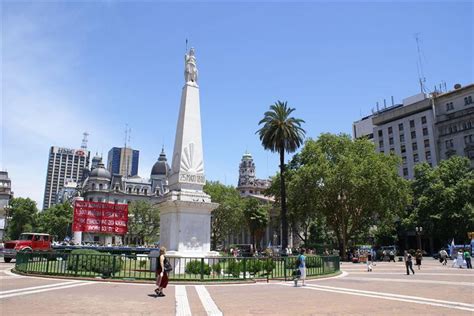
{"x": 190, "y": 69}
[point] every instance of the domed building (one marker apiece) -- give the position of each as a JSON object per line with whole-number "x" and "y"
{"x": 102, "y": 186}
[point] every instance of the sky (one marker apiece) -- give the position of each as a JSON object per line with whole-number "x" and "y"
{"x": 98, "y": 66}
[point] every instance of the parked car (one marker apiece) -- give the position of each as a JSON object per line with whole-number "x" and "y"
{"x": 28, "y": 242}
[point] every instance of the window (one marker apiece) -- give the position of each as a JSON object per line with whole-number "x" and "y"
{"x": 390, "y": 130}
{"x": 400, "y": 127}
{"x": 415, "y": 158}
{"x": 390, "y": 140}
{"x": 145, "y": 192}
{"x": 403, "y": 149}
{"x": 413, "y": 134}
{"x": 402, "y": 138}
{"x": 467, "y": 100}
{"x": 427, "y": 143}
{"x": 469, "y": 139}
{"x": 412, "y": 124}
{"x": 381, "y": 143}
{"x": 405, "y": 172}
{"x": 382, "y": 152}
{"x": 425, "y": 131}
{"x": 449, "y": 106}
{"x": 428, "y": 155}
{"x": 392, "y": 150}
{"x": 100, "y": 186}
{"x": 449, "y": 143}
{"x": 404, "y": 160}
{"x": 423, "y": 120}
{"x": 380, "y": 133}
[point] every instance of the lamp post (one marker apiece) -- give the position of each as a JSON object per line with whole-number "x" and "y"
{"x": 419, "y": 231}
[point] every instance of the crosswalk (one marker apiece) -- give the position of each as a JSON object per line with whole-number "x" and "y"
{"x": 182, "y": 302}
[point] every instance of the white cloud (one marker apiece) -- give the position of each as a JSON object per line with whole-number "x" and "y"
{"x": 39, "y": 107}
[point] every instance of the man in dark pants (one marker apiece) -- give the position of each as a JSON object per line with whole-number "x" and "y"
{"x": 409, "y": 263}
{"x": 467, "y": 257}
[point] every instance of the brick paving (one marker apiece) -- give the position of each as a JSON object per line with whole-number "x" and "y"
{"x": 433, "y": 290}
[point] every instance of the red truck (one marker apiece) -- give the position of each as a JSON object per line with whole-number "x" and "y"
{"x": 28, "y": 242}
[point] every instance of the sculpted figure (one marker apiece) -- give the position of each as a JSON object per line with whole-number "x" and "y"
{"x": 190, "y": 70}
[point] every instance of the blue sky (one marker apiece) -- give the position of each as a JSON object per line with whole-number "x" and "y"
{"x": 95, "y": 66}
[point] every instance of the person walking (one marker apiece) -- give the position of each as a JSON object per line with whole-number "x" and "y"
{"x": 163, "y": 269}
{"x": 444, "y": 256}
{"x": 301, "y": 265}
{"x": 467, "y": 258}
{"x": 409, "y": 263}
{"x": 418, "y": 258}
{"x": 369, "y": 261}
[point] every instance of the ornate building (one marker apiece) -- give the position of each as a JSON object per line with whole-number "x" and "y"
{"x": 102, "y": 186}
{"x": 248, "y": 183}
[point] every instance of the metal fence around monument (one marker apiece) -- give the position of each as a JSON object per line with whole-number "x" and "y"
{"x": 142, "y": 267}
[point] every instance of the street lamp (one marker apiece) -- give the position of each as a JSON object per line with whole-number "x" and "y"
{"x": 419, "y": 231}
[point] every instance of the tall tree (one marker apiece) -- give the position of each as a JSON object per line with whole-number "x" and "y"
{"x": 22, "y": 215}
{"x": 256, "y": 216}
{"x": 227, "y": 217}
{"x": 444, "y": 200}
{"x": 55, "y": 221}
{"x": 281, "y": 133}
{"x": 353, "y": 185}
{"x": 143, "y": 222}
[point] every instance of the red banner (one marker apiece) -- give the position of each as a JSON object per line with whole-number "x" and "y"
{"x": 100, "y": 217}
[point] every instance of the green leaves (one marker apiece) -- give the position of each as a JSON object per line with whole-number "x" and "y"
{"x": 55, "y": 221}
{"x": 22, "y": 214}
{"x": 444, "y": 199}
{"x": 143, "y": 222}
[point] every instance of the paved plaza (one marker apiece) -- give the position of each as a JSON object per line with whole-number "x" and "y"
{"x": 433, "y": 290}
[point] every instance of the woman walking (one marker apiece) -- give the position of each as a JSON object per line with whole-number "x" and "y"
{"x": 162, "y": 272}
{"x": 301, "y": 265}
{"x": 418, "y": 258}
{"x": 409, "y": 263}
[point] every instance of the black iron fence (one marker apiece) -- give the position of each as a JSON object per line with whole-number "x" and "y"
{"x": 143, "y": 267}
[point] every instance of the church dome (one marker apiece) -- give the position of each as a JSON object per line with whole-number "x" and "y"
{"x": 161, "y": 167}
{"x": 100, "y": 172}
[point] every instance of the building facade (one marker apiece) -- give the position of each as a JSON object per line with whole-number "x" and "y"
{"x": 63, "y": 164}
{"x": 123, "y": 161}
{"x": 424, "y": 128}
{"x": 102, "y": 186}
{"x": 454, "y": 125}
{"x": 6, "y": 195}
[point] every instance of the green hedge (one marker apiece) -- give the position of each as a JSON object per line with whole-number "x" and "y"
{"x": 194, "y": 267}
{"x": 94, "y": 261}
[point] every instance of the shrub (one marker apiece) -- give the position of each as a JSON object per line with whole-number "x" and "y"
{"x": 94, "y": 261}
{"x": 253, "y": 266}
{"x": 233, "y": 267}
{"x": 194, "y": 267}
{"x": 217, "y": 268}
{"x": 268, "y": 265}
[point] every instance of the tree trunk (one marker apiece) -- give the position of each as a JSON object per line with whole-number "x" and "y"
{"x": 284, "y": 220}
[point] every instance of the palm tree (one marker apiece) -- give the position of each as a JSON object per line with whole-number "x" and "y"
{"x": 281, "y": 133}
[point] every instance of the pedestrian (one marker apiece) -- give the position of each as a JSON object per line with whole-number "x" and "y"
{"x": 301, "y": 265}
{"x": 459, "y": 260}
{"x": 409, "y": 263}
{"x": 443, "y": 256}
{"x": 391, "y": 256}
{"x": 163, "y": 269}
{"x": 467, "y": 257}
{"x": 369, "y": 261}
{"x": 418, "y": 258}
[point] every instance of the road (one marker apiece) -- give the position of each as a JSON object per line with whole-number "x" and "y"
{"x": 433, "y": 290}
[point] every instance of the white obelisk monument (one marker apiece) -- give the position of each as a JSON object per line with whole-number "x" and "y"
{"x": 185, "y": 213}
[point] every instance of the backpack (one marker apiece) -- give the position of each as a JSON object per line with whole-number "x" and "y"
{"x": 298, "y": 262}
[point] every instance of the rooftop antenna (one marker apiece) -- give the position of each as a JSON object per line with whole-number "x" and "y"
{"x": 421, "y": 75}
{"x": 186, "y": 46}
{"x": 128, "y": 131}
{"x": 84, "y": 140}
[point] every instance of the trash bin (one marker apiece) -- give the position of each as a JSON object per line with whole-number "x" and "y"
{"x": 154, "y": 255}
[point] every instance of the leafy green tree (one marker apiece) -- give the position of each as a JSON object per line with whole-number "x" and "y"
{"x": 227, "y": 217}
{"x": 143, "y": 222}
{"x": 353, "y": 186}
{"x": 256, "y": 215}
{"x": 444, "y": 200}
{"x": 281, "y": 133}
{"x": 55, "y": 221}
{"x": 22, "y": 215}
